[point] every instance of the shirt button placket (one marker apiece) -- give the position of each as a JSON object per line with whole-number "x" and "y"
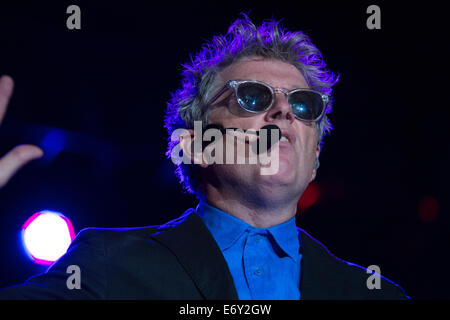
{"x": 258, "y": 271}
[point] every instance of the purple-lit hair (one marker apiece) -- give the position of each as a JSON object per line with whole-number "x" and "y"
{"x": 243, "y": 39}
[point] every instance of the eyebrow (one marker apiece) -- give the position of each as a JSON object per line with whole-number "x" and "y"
{"x": 289, "y": 88}
{"x": 293, "y": 87}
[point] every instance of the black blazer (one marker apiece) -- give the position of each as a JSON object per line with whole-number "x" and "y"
{"x": 181, "y": 260}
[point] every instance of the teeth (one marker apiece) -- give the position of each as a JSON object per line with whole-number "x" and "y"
{"x": 283, "y": 138}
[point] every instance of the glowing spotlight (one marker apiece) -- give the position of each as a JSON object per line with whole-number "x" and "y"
{"x": 46, "y": 235}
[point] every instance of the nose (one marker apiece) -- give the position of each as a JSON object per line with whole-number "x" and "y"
{"x": 280, "y": 110}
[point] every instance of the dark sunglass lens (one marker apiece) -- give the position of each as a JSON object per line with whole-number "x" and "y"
{"x": 306, "y": 105}
{"x": 254, "y": 97}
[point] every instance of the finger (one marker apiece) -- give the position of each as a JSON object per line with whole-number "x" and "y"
{"x": 6, "y": 88}
{"x": 16, "y": 159}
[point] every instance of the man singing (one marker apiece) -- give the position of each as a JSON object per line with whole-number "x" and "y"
{"x": 241, "y": 241}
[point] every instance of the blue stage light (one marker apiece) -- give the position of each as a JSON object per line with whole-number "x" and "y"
{"x": 53, "y": 143}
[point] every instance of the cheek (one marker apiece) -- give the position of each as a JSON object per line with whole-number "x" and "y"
{"x": 217, "y": 116}
{"x": 228, "y": 120}
{"x": 307, "y": 139}
{"x": 222, "y": 117}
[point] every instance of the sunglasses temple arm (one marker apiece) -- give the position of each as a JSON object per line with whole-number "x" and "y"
{"x": 221, "y": 91}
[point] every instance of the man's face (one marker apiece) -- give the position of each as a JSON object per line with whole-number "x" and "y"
{"x": 296, "y": 157}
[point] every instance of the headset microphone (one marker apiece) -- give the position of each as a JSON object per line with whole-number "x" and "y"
{"x": 268, "y": 129}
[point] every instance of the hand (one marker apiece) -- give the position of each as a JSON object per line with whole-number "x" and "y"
{"x": 21, "y": 154}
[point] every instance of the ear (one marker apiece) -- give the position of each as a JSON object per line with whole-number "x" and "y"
{"x": 313, "y": 176}
{"x": 188, "y": 145}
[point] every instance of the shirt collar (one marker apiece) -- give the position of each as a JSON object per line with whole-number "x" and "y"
{"x": 286, "y": 236}
{"x": 227, "y": 229}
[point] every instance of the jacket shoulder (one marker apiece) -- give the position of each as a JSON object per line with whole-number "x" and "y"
{"x": 138, "y": 232}
{"x": 112, "y": 262}
{"x": 118, "y": 237}
{"x": 112, "y": 235}
{"x": 355, "y": 281}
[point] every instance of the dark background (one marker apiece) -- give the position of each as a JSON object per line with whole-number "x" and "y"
{"x": 103, "y": 90}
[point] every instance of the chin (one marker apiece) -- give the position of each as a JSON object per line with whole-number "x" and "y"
{"x": 288, "y": 175}
{"x": 285, "y": 175}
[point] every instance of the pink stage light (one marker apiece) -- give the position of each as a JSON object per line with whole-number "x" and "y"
{"x": 46, "y": 235}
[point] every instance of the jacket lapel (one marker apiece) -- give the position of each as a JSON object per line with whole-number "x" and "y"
{"x": 317, "y": 282}
{"x": 191, "y": 242}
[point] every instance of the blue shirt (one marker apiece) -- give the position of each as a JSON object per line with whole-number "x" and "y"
{"x": 264, "y": 263}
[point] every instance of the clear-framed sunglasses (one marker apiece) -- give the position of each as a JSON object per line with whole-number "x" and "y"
{"x": 256, "y": 96}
